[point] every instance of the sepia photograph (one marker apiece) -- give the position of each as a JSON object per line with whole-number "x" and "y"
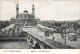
{"x": 39, "y": 24}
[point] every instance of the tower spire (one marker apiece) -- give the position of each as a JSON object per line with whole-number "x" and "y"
{"x": 33, "y": 11}
{"x": 17, "y": 11}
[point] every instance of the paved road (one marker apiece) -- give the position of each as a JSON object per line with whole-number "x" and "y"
{"x": 68, "y": 42}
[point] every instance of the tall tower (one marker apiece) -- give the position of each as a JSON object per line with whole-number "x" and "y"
{"x": 33, "y": 11}
{"x": 17, "y": 11}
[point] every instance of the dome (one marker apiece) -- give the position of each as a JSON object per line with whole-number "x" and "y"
{"x": 25, "y": 11}
{"x": 12, "y": 17}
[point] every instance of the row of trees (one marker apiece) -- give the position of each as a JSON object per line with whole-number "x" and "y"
{"x": 4, "y": 24}
{"x": 49, "y": 24}
{"x": 69, "y": 26}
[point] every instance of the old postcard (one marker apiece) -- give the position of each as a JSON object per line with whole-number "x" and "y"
{"x": 31, "y": 26}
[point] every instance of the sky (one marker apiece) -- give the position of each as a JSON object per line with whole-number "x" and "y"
{"x": 58, "y": 10}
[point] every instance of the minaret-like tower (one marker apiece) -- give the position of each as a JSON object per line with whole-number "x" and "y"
{"x": 17, "y": 11}
{"x": 33, "y": 11}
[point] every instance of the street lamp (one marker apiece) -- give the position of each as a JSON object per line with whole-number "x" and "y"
{"x": 64, "y": 31}
{"x": 65, "y": 38}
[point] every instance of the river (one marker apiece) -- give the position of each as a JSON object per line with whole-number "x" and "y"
{"x": 14, "y": 45}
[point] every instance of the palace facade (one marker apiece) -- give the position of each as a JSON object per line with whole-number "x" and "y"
{"x": 25, "y": 18}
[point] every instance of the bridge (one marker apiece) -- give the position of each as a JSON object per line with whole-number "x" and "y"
{"x": 39, "y": 41}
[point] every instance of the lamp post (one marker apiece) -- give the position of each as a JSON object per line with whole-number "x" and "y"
{"x": 65, "y": 38}
{"x": 64, "y": 31}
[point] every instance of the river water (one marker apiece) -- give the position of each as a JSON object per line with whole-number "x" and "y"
{"x": 14, "y": 45}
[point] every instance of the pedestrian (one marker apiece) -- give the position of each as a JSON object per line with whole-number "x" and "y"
{"x": 53, "y": 37}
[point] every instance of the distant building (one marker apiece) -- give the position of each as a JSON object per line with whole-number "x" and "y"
{"x": 38, "y": 20}
{"x": 12, "y": 20}
{"x": 24, "y": 19}
{"x": 51, "y": 21}
{"x": 79, "y": 22}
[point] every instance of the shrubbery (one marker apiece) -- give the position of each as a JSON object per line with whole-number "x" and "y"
{"x": 4, "y": 24}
